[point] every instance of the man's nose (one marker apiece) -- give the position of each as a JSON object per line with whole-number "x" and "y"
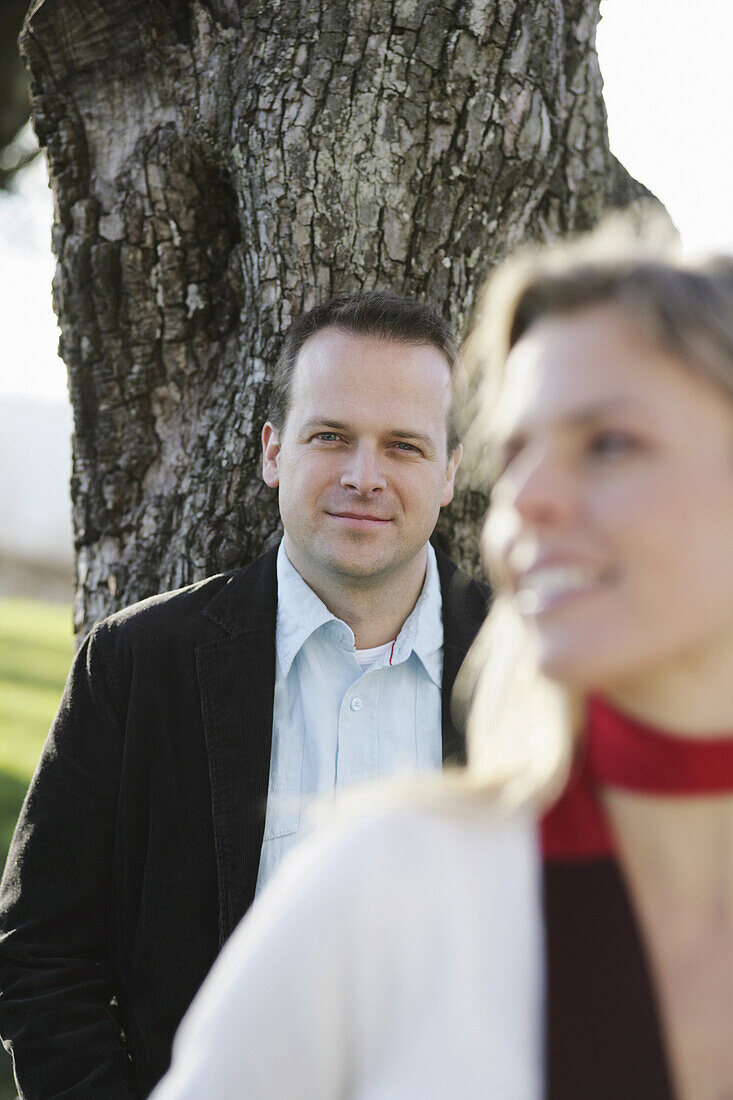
{"x": 363, "y": 471}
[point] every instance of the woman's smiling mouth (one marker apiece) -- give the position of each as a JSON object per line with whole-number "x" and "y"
{"x": 549, "y": 587}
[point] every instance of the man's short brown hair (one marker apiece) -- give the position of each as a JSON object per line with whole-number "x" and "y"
{"x": 377, "y": 313}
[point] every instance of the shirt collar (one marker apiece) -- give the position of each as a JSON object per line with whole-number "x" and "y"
{"x": 422, "y": 632}
{"x": 300, "y": 613}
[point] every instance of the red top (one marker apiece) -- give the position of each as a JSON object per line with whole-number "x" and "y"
{"x": 618, "y": 751}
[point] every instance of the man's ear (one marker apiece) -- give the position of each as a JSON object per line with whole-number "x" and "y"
{"x": 270, "y": 455}
{"x": 450, "y": 475}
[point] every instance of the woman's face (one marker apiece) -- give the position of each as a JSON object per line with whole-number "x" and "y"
{"x": 612, "y": 521}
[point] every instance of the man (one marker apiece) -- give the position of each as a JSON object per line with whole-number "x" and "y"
{"x": 196, "y": 724}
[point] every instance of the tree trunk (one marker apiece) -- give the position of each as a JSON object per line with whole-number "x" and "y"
{"x": 218, "y": 166}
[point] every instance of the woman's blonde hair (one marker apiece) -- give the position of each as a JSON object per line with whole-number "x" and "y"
{"x": 519, "y": 724}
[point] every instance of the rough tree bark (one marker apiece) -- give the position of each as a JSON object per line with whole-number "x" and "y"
{"x": 219, "y": 165}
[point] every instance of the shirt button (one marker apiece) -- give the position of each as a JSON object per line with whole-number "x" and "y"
{"x": 356, "y": 703}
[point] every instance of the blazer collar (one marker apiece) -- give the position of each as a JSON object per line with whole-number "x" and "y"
{"x": 464, "y": 609}
{"x": 248, "y": 599}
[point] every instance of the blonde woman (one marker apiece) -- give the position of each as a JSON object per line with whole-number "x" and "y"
{"x": 444, "y": 946}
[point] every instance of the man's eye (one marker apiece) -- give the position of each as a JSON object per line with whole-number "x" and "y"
{"x": 410, "y": 447}
{"x": 327, "y": 437}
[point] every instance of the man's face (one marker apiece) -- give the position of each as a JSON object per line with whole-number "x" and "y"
{"x": 361, "y": 463}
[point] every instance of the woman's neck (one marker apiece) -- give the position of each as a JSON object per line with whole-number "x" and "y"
{"x": 692, "y": 696}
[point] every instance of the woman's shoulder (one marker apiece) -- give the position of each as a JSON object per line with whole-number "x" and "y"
{"x": 390, "y": 855}
{"x": 393, "y": 827}
{"x": 419, "y": 916}
{"x": 402, "y": 834}
{"x": 400, "y": 922}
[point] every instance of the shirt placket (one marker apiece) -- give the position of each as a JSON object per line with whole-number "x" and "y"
{"x": 357, "y": 756}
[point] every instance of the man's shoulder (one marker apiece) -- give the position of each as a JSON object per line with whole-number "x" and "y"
{"x": 224, "y": 601}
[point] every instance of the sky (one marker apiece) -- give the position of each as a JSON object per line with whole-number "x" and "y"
{"x": 666, "y": 66}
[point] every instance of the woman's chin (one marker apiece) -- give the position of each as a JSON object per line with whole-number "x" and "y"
{"x": 578, "y": 668}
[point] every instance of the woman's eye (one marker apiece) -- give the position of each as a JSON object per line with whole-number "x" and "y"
{"x": 608, "y": 444}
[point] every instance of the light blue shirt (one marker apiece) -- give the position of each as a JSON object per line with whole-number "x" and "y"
{"x": 335, "y": 725}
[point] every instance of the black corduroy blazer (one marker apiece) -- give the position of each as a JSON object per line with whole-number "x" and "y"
{"x": 137, "y": 849}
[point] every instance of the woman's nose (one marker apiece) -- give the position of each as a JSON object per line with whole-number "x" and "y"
{"x": 539, "y": 488}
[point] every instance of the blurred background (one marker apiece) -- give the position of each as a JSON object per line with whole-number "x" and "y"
{"x": 665, "y": 68}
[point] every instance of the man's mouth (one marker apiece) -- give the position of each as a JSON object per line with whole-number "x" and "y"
{"x": 359, "y": 519}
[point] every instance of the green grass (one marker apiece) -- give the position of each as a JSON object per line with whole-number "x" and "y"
{"x": 36, "y": 647}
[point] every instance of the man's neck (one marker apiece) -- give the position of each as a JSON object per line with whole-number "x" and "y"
{"x": 373, "y": 619}
{"x": 374, "y": 608}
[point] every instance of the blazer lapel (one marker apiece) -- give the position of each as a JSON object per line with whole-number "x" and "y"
{"x": 464, "y": 610}
{"x": 237, "y": 682}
